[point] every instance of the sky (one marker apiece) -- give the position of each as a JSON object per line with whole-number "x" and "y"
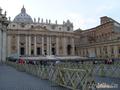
{"x": 84, "y": 14}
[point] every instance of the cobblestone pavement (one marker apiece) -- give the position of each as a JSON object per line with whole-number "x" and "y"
{"x": 113, "y": 83}
{"x": 11, "y": 79}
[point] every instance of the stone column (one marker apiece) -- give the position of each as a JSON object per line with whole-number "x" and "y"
{"x": 4, "y": 46}
{"x": 26, "y": 45}
{"x": 29, "y": 45}
{"x": 57, "y": 46}
{"x": 115, "y": 51}
{"x": 50, "y": 46}
{"x": 47, "y": 45}
{"x": 64, "y": 46}
{"x": 18, "y": 45}
{"x": 84, "y": 50}
{"x": 73, "y": 47}
{"x": 102, "y": 52}
{"x": 92, "y": 52}
{"x": 81, "y": 52}
{"x": 35, "y": 50}
{"x": 8, "y": 45}
{"x": 3, "y": 37}
{"x": 43, "y": 53}
{"x": 85, "y": 53}
{"x": 97, "y": 52}
{"x": 0, "y": 45}
{"x": 109, "y": 51}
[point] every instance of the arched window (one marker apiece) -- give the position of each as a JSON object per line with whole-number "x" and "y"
{"x": 68, "y": 28}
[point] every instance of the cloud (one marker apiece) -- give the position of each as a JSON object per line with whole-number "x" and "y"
{"x": 81, "y": 21}
{"x": 11, "y": 6}
{"x": 83, "y": 13}
{"x": 102, "y": 9}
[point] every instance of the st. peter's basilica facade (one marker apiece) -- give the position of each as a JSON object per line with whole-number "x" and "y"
{"x": 26, "y": 37}
{"x": 35, "y": 38}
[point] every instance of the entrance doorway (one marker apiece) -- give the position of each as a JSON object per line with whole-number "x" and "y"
{"x": 22, "y": 51}
{"x": 32, "y": 52}
{"x": 38, "y": 51}
{"x": 69, "y": 49}
{"x": 53, "y": 51}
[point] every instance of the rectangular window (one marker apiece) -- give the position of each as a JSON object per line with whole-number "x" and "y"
{"x": 53, "y": 27}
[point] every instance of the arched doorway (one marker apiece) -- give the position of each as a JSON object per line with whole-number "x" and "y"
{"x": 53, "y": 51}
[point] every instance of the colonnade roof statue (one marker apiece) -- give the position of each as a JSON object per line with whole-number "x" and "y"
{"x": 24, "y": 21}
{"x": 3, "y": 18}
{"x": 23, "y": 17}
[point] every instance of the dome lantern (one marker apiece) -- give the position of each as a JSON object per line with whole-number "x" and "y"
{"x": 23, "y": 10}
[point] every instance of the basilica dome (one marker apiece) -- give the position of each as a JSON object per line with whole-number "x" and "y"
{"x": 23, "y": 17}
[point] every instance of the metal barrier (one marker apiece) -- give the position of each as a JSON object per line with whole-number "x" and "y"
{"x": 105, "y": 70}
{"x": 102, "y": 70}
{"x": 75, "y": 79}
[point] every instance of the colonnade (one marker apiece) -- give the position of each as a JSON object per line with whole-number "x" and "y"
{"x": 46, "y": 47}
